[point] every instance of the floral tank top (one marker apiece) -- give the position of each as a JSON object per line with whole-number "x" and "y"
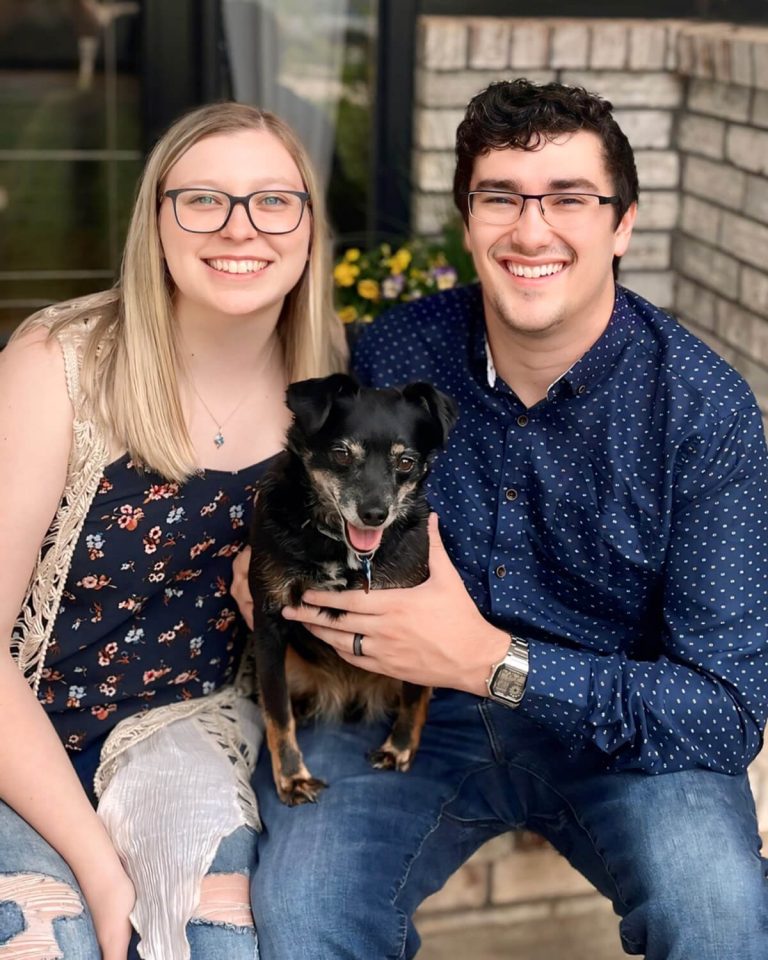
{"x": 146, "y": 617}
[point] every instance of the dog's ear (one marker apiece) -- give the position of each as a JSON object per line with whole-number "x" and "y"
{"x": 440, "y": 407}
{"x": 310, "y": 401}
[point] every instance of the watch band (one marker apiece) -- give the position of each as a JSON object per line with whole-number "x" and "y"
{"x": 507, "y": 679}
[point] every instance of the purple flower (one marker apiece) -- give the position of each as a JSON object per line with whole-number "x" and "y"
{"x": 445, "y": 277}
{"x": 392, "y": 287}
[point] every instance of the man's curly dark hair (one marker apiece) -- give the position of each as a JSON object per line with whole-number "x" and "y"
{"x": 521, "y": 114}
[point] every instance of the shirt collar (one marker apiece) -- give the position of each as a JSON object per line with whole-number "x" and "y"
{"x": 481, "y": 362}
{"x": 592, "y": 366}
{"x": 589, "y": 369}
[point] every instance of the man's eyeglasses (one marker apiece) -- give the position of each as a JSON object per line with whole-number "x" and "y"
{"x": 558, "y": 209}
{"x": 208, "y": 211}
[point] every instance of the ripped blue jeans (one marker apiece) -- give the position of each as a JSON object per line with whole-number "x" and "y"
{"x": 43, "y": 916}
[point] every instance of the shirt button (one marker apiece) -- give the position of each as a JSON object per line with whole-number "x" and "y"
{"x": 501, "y": 571}
{"x": 522, "y": 420}
{"x": 510, "y": 494}
{"x": 581, "y": 390}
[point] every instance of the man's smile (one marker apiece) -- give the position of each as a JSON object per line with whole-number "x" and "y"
{"x": 533, "y": 271}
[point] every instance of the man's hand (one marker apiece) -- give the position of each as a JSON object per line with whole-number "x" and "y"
{"x": 239, "y": 589}
{"x": 432, "y": 634}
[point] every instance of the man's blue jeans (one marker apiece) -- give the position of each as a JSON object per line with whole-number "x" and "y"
{"x": 678, "y": 855}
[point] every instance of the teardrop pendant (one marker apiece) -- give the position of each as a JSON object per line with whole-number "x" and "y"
{"x": 219, "y": 439}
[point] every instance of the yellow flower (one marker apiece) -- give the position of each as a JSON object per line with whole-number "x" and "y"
{"x": 400, "y": 261}
{"x": 345, "y": 273}
{"x": 370, "y": 281}
{"x": 368, "y": 289}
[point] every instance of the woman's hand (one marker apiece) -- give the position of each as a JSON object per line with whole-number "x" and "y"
{"x": 241, "y": 592}
{"x": 110, "y": 898}
{"x": 432, "y": 634}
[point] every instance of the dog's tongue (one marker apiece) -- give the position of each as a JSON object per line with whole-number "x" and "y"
{"x": 364, "y": 540}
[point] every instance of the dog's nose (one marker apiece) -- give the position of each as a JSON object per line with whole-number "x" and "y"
{"x": 372, "y": 514}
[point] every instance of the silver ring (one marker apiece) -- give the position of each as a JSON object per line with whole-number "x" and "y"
{"x": 357, "y": 645}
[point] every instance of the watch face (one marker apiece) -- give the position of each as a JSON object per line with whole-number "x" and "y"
{"x": 508, "y": 684}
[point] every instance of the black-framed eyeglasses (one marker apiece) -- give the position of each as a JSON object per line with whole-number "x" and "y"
{"x": 198, "y": 210}
{"x": 503, "y": 208}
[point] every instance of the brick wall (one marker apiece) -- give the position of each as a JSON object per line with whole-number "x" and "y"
{"x": 693, "y": 100}
{"x": 720, "y": 258}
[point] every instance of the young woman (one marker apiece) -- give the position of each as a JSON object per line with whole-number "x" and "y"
{"x": 134, "y": 425}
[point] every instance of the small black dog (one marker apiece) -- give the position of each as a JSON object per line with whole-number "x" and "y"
{"x": 342, "y": 507}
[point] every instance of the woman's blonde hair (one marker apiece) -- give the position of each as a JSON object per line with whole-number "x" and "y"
{"x": 130, "y": 365}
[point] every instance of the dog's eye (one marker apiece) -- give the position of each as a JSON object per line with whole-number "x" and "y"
{"x": 342, "y": 456}
{"x": 405, "y": 464}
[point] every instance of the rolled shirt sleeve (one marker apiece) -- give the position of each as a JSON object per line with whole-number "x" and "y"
{"x": 702, "y": 702}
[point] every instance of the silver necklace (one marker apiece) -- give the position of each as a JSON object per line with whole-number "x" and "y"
{"x": 218, "y": 439}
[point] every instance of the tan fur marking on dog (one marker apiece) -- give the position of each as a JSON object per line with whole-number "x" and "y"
{"x": 356, "y": 449}
{"x": 334, "y": 572}
{"x": 41, "y": 899}
{"x": 403, "y": 758}
{"x": 276, "y": 583}
{"x": 277, "y": 740}
{"x": 277, "y": 736}
{"x": 326, "y": 485}
{"x": 405, "y": 491}
{"x": 333, "y": 690}
{"x": 279, "y": 587}
{"x": 420, "y": 718}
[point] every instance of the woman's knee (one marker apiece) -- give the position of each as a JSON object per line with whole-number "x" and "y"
{"x": 43, "y": 917}
{"x": 222, "y": 927}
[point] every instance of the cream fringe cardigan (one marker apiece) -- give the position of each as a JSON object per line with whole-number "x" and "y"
{"x": 172, "y": 781}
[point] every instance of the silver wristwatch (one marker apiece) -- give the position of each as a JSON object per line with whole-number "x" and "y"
{"x": 506, "y": 683}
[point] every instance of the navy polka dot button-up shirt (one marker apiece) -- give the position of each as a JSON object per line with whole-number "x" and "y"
{"x": 619, "y": 526}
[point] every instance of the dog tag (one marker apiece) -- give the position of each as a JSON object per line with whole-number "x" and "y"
{"x": 365, "y": 562}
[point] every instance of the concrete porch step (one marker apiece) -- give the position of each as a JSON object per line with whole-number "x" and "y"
{"x": 576, "y": 929}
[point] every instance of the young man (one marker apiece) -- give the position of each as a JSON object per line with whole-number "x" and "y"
{"x": 595, "y": 626}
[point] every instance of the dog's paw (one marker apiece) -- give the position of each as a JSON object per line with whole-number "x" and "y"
{"x": 294, "y": 791}
{"x": 388, "y": 758}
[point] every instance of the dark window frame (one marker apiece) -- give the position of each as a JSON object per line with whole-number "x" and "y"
{"x": 743, "y": 11}
{"x": 182, "y": 66}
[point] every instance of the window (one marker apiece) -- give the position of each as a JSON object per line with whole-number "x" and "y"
{"x": 70, "y": 149}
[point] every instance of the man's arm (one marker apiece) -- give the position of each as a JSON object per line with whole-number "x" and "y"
{"x": 702, "y": 703}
